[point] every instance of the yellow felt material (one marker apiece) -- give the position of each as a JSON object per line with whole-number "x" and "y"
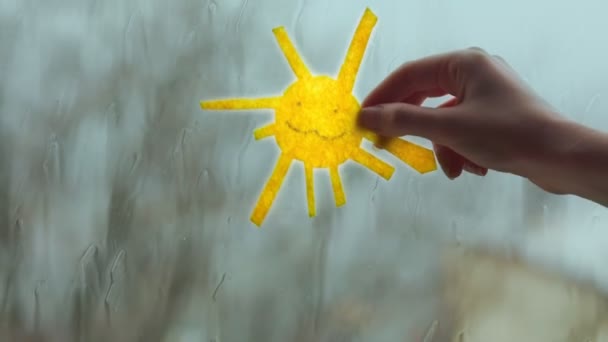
{"x": 264, "y": 132}
{"x": 356, "y": 50}
{"x": 336, "y": 184}
{"x": 373, "y": 163}
{"x": 419, "y": 158}
{"x": 315, "y": 123}
{"x": 310, "y": 190}
{"x": 263, "y": 103}
{"x": 270, "y": 190}
{"x": 291, "y": 54}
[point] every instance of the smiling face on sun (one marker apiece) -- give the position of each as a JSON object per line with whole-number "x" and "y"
{"x": 317, "y": 114}
{"x": 315, "y": 123}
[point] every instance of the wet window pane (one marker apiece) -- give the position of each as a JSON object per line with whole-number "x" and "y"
{"x": 126, "y": 208}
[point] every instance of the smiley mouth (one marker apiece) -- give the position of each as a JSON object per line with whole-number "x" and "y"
{"x": 315, "y": 132}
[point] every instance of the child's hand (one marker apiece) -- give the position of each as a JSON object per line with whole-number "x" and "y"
{"x": 495, "y": 121}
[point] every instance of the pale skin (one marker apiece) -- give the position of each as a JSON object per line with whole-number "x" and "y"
{"x": 494, "y": 121}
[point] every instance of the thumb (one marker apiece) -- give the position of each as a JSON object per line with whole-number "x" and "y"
{"x": 399, "y": 119}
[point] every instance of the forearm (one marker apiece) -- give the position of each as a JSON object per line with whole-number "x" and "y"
{"x": 578, "y": 164}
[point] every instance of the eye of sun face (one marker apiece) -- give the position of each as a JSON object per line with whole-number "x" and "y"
{"x": 315, "y": 123}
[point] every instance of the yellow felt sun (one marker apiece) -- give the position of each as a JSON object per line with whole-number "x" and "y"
{"x": 315, "y": 123}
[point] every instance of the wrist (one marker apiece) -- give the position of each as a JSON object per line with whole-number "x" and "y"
{"x": 574, "y": 162}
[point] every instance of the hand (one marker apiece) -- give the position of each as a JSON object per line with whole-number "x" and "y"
{"x": 494, "y": 120}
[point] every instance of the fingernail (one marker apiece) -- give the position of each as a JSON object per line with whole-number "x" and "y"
{"x": 480, "y": 171}
{"x": 452, "y": 171}
{"x": 368, "y": 117}
{"x": 381, "y": 143}
{"x": 448, "y": 172}
{"x": 476, "y": 170}
{"x": 378, "y": 147}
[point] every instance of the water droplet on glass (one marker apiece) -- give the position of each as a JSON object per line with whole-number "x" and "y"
{"x": 185, "y": 133}
{"x": 430, "y": 334}
{"x": 212, "y": 7}
{"x": 117, "y": 272}
{"x": 88, "y": 268}
{"x": 114, "y": 292}
{"x": 203, "y": 177}
{"x": 135, "y": 162}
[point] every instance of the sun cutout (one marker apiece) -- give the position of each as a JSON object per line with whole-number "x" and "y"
{"x": 315, "y": 123}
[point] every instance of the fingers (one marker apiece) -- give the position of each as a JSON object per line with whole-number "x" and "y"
{"x": 449, "y": 103}
{"x": 475, "y": 169}
{"x": 432, "y": 76}
{"x": 399, "y": 119}
{"x": 418, "y": 77}
{"x": 394, "y": 107}
{"x": 416, "y": 99}
{"x": 451, "y": 163}
{"x": 501, "y": 61}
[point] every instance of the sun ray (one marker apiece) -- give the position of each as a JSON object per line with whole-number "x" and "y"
{"x": 310, "y": 190}
{"x": 356, "y": 50}
{"x": 270, "y": 190}
{"x": 417, "y": 157}
{"x": 265, "y": 131}
{"x": 238, "y": 104}
{"x": 291, "y": 54}
{"x": 336, "y": 184}
{"x": 373, "y": 163}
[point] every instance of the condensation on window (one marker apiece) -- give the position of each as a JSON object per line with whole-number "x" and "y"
{"x": 126, "y": 208}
